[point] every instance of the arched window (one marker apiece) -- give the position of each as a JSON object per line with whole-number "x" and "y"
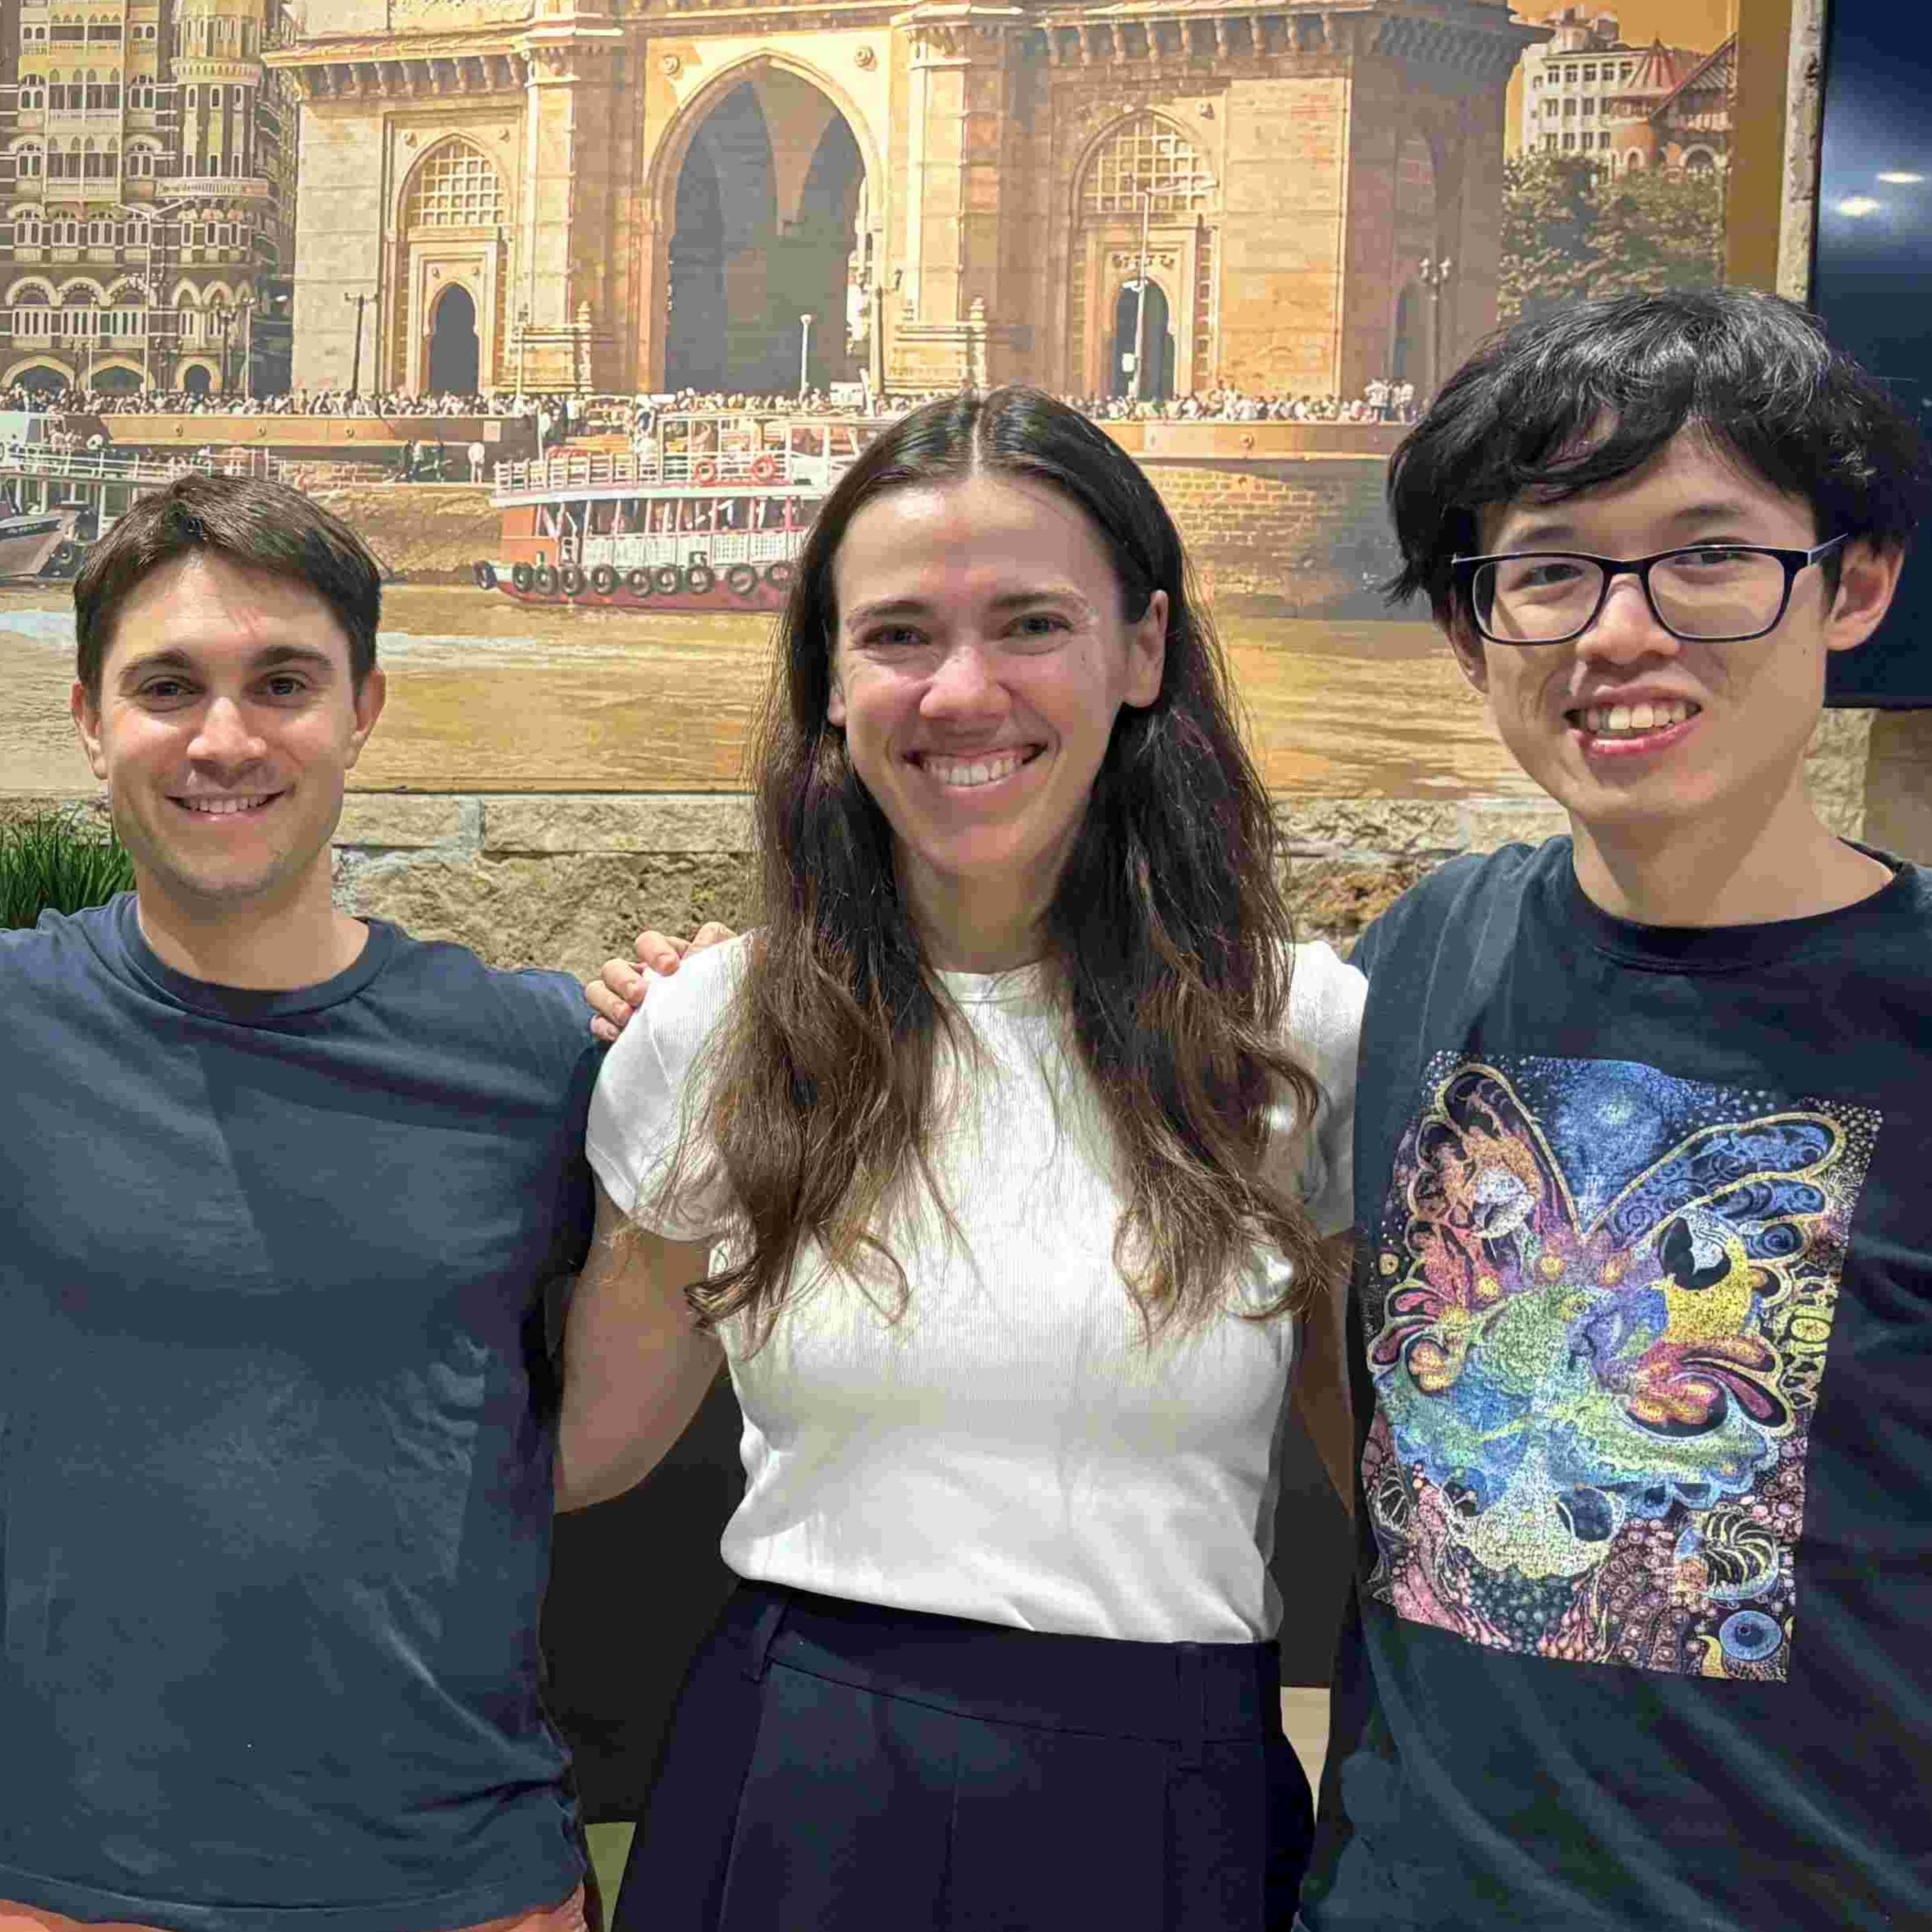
{"x": 29, "y": 160}
{"x": 26, "y": 228}
{"x": 454, "y": 186}
{"x": 33, "y": 97}
{"x": 1147, "y": 160}
{"x": 140, "y": 161}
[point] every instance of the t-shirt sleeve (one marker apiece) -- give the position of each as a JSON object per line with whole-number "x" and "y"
{"x": 1325, "y": 1007}
{"x": 648, "y": 1090}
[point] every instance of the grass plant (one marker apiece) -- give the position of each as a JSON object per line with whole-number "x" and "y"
{"x": 58, "y": 860}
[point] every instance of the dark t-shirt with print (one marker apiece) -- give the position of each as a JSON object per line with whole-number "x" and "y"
{"x": 1642, "y": 1355}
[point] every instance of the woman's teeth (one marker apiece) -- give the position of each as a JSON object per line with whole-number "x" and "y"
{"x": 1615, "y": 720}
{"x": 979, "y": 771}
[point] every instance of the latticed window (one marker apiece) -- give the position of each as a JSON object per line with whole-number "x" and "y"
{"x": 1148, "y": 156}
{"x": 456, "y": 187}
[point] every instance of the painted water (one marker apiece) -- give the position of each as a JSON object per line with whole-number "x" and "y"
{"x": 486, "y": 695}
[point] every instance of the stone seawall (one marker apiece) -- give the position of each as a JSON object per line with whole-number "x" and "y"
{"x": 565, "y": 880}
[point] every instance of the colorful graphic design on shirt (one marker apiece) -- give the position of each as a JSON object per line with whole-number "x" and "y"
{"x": 1599, "y": 1306}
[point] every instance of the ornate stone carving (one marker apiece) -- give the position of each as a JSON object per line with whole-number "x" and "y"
{"x": 670, "y": 66}
{"x": 865, "y": 58}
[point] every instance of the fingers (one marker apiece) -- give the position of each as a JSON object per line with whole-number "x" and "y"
{"x": 659, "y": 951}
{"x": 709, "y": 933}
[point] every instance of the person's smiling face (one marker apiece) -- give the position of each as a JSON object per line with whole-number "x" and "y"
{"x": 1730, "y": 722}
{"x": 226, "y": 726}
{"x": 981, "y": 657}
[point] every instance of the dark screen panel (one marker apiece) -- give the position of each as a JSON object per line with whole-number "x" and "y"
{"x": 1872, "y": 278}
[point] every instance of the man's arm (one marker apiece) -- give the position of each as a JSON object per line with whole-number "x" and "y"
{"x": 636, "y": 1366}
{"x": 1320, "y": 1397}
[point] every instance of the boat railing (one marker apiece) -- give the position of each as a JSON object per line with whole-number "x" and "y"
{"x": 696, "y": 470}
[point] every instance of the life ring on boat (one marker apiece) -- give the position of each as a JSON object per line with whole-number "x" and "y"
{"x": 544, "y": 579}
{"x": 570, "y": 581}
{"x": 637, "y": 581}
{"x": 779, "y": 575}
{"x": 764, "y": 469}
{"x": 700, "y": 579}
{"x": 521, "y": 576}
{"x": 667, "y": 579}
{"x": 740, "y": 579}
{"x": 704, "y": 470}
{"x": 483, "y": 574}
{"x": 603, "y": 580}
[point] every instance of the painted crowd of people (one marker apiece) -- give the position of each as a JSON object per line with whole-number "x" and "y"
{"x": 1029, "y": 1181}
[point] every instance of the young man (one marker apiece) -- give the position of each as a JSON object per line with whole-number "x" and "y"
{"x": 282, "y": 1192}
{"x": 1643, "y": 1283}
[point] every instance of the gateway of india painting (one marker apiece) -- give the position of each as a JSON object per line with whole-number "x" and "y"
{"x": 600, "y": 195}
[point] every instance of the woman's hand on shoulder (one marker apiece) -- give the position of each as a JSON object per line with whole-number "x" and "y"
{"x": 617, "y": 990}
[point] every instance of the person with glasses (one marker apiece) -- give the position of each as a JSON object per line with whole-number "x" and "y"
{"x": 1642, "y": 1293}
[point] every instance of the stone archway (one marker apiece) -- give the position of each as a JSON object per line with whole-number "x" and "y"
{"x": 453, "y": 355}
{"x": 765, "y": 213}
{"x": 447, "y": 236}
{"x": 197, "y": 379}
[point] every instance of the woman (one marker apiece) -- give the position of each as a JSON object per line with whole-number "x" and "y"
{"x": 1005, "y": 1122}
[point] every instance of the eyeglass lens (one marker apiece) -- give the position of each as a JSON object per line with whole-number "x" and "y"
{"x": 1707, "y": 594}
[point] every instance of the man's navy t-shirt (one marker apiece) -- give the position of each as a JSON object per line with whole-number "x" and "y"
{"x": 1642, "y": 1356}
{"x": 276, "y": 1426}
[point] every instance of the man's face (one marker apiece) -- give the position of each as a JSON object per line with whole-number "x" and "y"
{"x": 226, "y": 726}
{"x": 1748, "y": 709}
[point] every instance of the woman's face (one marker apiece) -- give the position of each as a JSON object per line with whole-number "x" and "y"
{"x": 980, "y": 661}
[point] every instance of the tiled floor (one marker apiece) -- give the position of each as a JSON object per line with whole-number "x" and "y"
{"x": 1304, "y": 1717}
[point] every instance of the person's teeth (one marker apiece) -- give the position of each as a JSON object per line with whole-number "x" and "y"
{"x": 980, "y": 772}
{"x": 222, "y": 808}
{"x": 1640, "y": 718}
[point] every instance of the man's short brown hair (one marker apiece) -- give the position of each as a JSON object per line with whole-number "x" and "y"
{"x": 259, "y": 525}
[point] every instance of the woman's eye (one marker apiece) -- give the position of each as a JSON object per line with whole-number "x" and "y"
{"x": 893, "y": 634}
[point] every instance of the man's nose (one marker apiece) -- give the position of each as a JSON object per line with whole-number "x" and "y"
{"x": 1626, "y": 628}
{"x": 225, "y": 735}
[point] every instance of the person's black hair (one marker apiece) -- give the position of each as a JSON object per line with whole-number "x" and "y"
{"x": 1565, "y": 402}
{"x": 260, "y": 526}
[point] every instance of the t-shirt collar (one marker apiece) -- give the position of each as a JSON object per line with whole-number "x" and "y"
{"x": 1718, "y": 949}
{"x": 242, "y": 1006}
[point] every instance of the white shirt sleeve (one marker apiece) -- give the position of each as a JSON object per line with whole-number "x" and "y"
{"x": 648, "y": 1088}
{"x": 1324, "y": 1005}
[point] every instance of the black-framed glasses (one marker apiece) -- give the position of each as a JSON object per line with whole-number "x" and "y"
{"x": 1701, "y": 593}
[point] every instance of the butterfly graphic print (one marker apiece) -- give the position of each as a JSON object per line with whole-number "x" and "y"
{"x": 1598, "y": 1308}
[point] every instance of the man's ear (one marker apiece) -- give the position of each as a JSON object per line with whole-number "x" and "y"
{"x": 87, "y": 715}
{"x": 1466, "y": 646}
{"x": 1868, "y": 579}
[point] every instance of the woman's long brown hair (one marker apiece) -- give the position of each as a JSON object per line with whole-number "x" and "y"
{"x": 1167, "y": 939}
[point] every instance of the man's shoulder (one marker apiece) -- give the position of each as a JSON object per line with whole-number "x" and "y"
{"x": 55, "y": 944}
{"x": 1459, "y": 899}
{"x": 538, "y": 1007}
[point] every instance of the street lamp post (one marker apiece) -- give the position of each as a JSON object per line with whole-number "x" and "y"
{"x": 1434, "y": 276}
{"x": 355, "y": 375}
{"x": 244, "y": 303}
{"x": 805, "y": 349}
{"x": 1140, "y": 300}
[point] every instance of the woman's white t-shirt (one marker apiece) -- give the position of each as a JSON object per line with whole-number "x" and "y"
{"x": 1010, "y": 1449}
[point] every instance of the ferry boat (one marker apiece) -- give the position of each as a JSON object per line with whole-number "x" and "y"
{"x": 707, "y": 512}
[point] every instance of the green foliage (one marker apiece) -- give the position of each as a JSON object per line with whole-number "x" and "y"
{"x": 1571, "y": 229}
{"x": 57, "y": 860}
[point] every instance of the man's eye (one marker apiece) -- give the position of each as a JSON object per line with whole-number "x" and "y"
{"x": 1714, "y": 558}
{"x": 295, "y": 685}
{"x": 893, "y": 634}
{"x": 1555, "y": 575}
{"x": 1047, "y": 621}
{"x": 161, "y": 687}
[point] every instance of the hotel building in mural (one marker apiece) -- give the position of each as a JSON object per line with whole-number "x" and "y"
{"x": 1587, "y": 91}
{"x": 615, "y": 196}
{"x": 147, "y": 167}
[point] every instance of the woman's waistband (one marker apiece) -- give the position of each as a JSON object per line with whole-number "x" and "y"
{"x": 1186, "y": 1694}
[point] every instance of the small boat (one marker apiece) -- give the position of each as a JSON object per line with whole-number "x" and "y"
{"x": 706, "y": 512}
{"x": 44, "y": 544}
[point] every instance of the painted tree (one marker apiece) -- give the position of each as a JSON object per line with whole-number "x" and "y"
{"x": 1572, "y": 229}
